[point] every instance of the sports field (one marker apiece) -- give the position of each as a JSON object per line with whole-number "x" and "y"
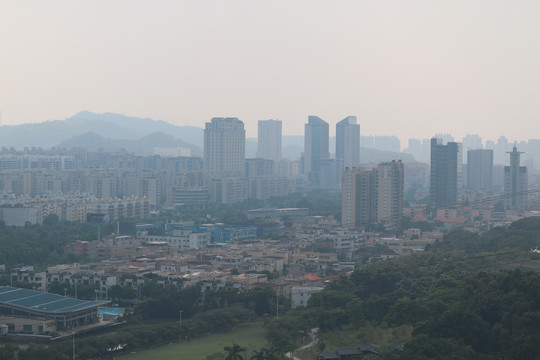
{"x": 250, "y": 337}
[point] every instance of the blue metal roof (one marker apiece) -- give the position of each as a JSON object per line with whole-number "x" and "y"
{"x": 45, "y": 302}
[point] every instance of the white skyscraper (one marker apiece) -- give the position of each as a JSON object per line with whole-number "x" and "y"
{"x": 269, "y": 140}
{"x": 348, "y": 142}
{"x": 390, "y": 192}
{"x": 224, "y": 147}
{"x": 315, "y": 148}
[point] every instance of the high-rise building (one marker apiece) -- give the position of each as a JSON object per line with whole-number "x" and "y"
{"x": 390, "y": 192}
{"x": 480, "y": 169}
{"x": 445, "y": 173}
{"x": 224, "y": 148}
{"x": 315, "y": 148}
{"x": 349, "y": 200}
{"x": 375, "y": 195}
{"x": 228, "y": 190}
{"x": 358, "y": 197}
{"x": 330, "y": 174}
{"x": 269, "y": 139}
{"x": 515, "y": 182}
{"x": 348, "y": 142}
{"x": 259, "y": 167}
{"x": 471, "y": 142}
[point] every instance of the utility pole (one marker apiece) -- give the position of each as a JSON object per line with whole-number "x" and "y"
{"x": 74, "y": 356}
{"x": 180, "y": 328}
{"x": 277, "y": 305}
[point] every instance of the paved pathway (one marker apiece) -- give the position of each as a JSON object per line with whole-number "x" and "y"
{"x": 313, "y": 336}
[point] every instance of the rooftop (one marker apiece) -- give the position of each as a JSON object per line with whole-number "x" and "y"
{"x": 45, "y": 302}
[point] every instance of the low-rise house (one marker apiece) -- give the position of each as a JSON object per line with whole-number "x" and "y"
{"x": 301, "y": 295}
{"x": 350, "y": 353}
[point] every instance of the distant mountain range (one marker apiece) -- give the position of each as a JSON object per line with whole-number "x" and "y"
{"x": 109, "y": 131}
{"x": 113, "y": 132}
{"x": 142, "y": 146}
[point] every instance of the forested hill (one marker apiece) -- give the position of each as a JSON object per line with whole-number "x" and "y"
{"x": 522, "y": 234}
{"x": 460, "y": 297}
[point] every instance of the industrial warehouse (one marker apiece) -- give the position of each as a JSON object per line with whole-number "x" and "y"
{"x": 40, "y": 313}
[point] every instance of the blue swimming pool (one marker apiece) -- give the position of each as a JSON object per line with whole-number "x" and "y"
{"x": 110, "y": 311}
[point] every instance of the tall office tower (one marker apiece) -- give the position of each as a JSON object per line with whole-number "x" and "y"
{"x": 500, "y": 148}
{"x": 259, "y": 167}
{"x": 269, "y": 140}
{"x": 445, "y": 138}
{"x": 315, "y": 147}
{"x": 348, "y": 141}
{"x": 414, "y": 147}
{"x": 515, "y": 182}
{"x": 480, "y": 169}
{"x": 390, "y": 192}
{"x": 470, "y": 142}
{"x": 445, "y": 173}
{"x": 330, "y": 174}
{"x": 224, "y": 148}
{"x": 534, "y": 152}
{"x": 359, "y": 197}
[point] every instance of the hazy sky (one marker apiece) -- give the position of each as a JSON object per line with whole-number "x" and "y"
{"x": 408, "y": 68}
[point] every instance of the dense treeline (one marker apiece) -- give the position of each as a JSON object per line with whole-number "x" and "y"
{"x": 43, "y": 245}
{"x": 160, "y": 302}
{"x": 464, "y": 298}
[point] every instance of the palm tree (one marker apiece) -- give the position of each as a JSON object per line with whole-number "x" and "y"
{"x": 275, "y": 354}
{"x": 234, "y": 352}
{"x": 266, "y": 354}
{"x": 259, "y": 354}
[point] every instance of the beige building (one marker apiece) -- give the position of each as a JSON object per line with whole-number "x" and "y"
{"x": 224, "y": 147}
{"x": 390, "y": 192}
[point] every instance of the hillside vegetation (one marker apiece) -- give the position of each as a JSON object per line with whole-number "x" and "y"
{"x": 467, "y": 297}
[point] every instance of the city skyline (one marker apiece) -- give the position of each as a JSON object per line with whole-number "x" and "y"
{"x": 410, "y": 69}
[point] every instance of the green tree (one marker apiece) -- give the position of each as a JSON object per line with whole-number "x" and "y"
{"x": 266, "y": 354}
{"x": 51, "y": 220}
{"x": 8, "y": 351}
{"x": 119, "y": 293}
{"x": 234, "y": 352}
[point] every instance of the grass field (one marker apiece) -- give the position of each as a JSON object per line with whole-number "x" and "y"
{"x": 250, "y": 337}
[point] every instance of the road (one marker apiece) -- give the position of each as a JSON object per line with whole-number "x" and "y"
{"x": 313, "y": 335}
